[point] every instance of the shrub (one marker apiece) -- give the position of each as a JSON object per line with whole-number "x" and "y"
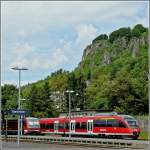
{"x": 101, "y": 37}
{"x": 138, "y": 30}
{"x": 122, "y": 32}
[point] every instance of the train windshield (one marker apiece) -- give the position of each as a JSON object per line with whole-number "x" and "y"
{"x": 131, "y": 121}
{"x": 33, "y": 123}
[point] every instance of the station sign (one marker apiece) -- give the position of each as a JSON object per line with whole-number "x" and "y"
{"x": 19, "y": 111}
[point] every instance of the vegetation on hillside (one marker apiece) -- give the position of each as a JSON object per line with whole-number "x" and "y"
{"x": 113, "y": 75}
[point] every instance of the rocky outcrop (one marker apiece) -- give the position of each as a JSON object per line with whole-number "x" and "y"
{"x": 103, "y": 44}
{"x": 135, "y": 44}
{"x": 106, "y": 59}
{"x": 108, "y": 50}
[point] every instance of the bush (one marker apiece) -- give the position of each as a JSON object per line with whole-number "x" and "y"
{"x": 122, "y": 32}
{"x": 101, "y": 37}
{"x": 138, "y": 30}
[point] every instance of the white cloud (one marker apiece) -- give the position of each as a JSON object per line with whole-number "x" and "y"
{"x": 20, "y": 53}
{"x": 22, "y": 33}
{"x": 28, "y": 56}
{"x": 143, "y": 20}
{"x": 21, "y": 50}
{"x": 34, "y": 16}
{"x": 57, "y": 58}
{"x": 85, "y": 34}
{"x": 40, "y": 29}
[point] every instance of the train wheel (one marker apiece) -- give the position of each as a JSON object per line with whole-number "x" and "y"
{"x": 135, "y": 137}
{"x": 120, "y": 137}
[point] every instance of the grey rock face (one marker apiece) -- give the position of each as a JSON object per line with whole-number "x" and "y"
{"x": 104, "y": 47}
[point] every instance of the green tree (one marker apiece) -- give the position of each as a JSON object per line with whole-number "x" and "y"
{"x": 138, "y": 30}
{"x": 48, "y": 105}
{"x": 96, "y": 93}
{"x": 101, "y": 37}
{"x": 9, "y": 96}
{"x": 122, "y": 32}
{"x": 33, "y": 103}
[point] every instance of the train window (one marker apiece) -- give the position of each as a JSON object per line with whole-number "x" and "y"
{"x": 33, "y": 123}
{"x": 66, "y": 125}
{"x": 47, "y": 126}
{"x": 83, "y": 125}
{"x": 51, "y": 126}
{"x": 77, "y": 125}
{"x": 121, "y": 124}
{"x": 112, "y": 123}
{"x": 100, "y": 123}
{"x": 55, "y": 125}
{"x": 132, "y": 123}
{"x": 61, "y": 126}
{"x": 42, "y": 126}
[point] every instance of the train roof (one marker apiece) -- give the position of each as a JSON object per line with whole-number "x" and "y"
{"x": 127, "y": 117}
{"x": 31, "y": 118}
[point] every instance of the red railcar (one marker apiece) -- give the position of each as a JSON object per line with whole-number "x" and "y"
{"x": 30, "y": 125}
{"x": 100, "y": 126}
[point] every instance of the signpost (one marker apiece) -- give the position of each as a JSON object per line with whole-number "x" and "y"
{"x": 19, "y": 111}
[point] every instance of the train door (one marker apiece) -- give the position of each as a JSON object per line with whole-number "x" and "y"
{"x": 72, "y": 124}
{"x": 90, "y": 126}
{"x": 56, "y": 124}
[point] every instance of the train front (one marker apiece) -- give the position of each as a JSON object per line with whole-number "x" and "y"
{"x": 133, "y": 125}
{"x": 32, "y": 126}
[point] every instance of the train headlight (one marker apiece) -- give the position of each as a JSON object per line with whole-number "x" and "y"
{"x": 25, "y": 131}
{"x": 135, "y": 130}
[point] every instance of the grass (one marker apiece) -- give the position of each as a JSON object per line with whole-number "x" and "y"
{"x": 143, "y": 136}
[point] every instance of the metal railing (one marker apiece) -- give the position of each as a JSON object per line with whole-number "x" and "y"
{"x": 81, "y": 141}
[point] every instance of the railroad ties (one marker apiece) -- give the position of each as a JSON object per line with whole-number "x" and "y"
{"x": 136, "y": 144}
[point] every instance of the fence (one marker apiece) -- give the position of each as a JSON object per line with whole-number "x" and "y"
{"x": 143, "y": 122}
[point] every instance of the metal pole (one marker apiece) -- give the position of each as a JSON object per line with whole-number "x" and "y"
{"x": 0, "y": 99}
{"x": 19, "y": 69}
{"x": 69, "y": 116}
{"x": 18, "y": 138}
{"x": 0, "y": 118}
{"x": 6, "y": 125}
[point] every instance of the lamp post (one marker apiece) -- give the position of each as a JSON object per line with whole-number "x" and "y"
{"x": 22, "y": 99}
{"x": 19, "y": 69}
{"x": 69, "y": 91}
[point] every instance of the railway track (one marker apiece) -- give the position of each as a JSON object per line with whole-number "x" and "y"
{"x": 135, "y": 144}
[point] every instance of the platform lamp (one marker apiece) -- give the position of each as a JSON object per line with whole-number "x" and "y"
{"x": 19, "y": 69}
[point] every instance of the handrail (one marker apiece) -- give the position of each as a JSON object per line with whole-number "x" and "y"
{"x": 81, "y": 141}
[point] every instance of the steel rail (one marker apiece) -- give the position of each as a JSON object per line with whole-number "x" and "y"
{"x": 135, "y": 144}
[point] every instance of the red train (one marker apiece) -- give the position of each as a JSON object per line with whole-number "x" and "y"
{"x": 30, "y": 125}
{"x": 118, "y": 126}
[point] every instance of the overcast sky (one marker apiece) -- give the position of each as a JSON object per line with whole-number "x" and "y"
{"x": 46, "y": 36}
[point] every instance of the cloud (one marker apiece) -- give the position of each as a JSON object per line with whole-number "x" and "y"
{"x": 34, "y": 16}
{"x": 58, "y": 57}
{"x": 21, "y": 50}
{"x": 85, "y": 34}
{"x": 48, "y": 35}
{"x": 22, "y": 33}
{"x": 145, "y": 19}
{"x": 20, "y": 53}
{"x": 28, "y": 56}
